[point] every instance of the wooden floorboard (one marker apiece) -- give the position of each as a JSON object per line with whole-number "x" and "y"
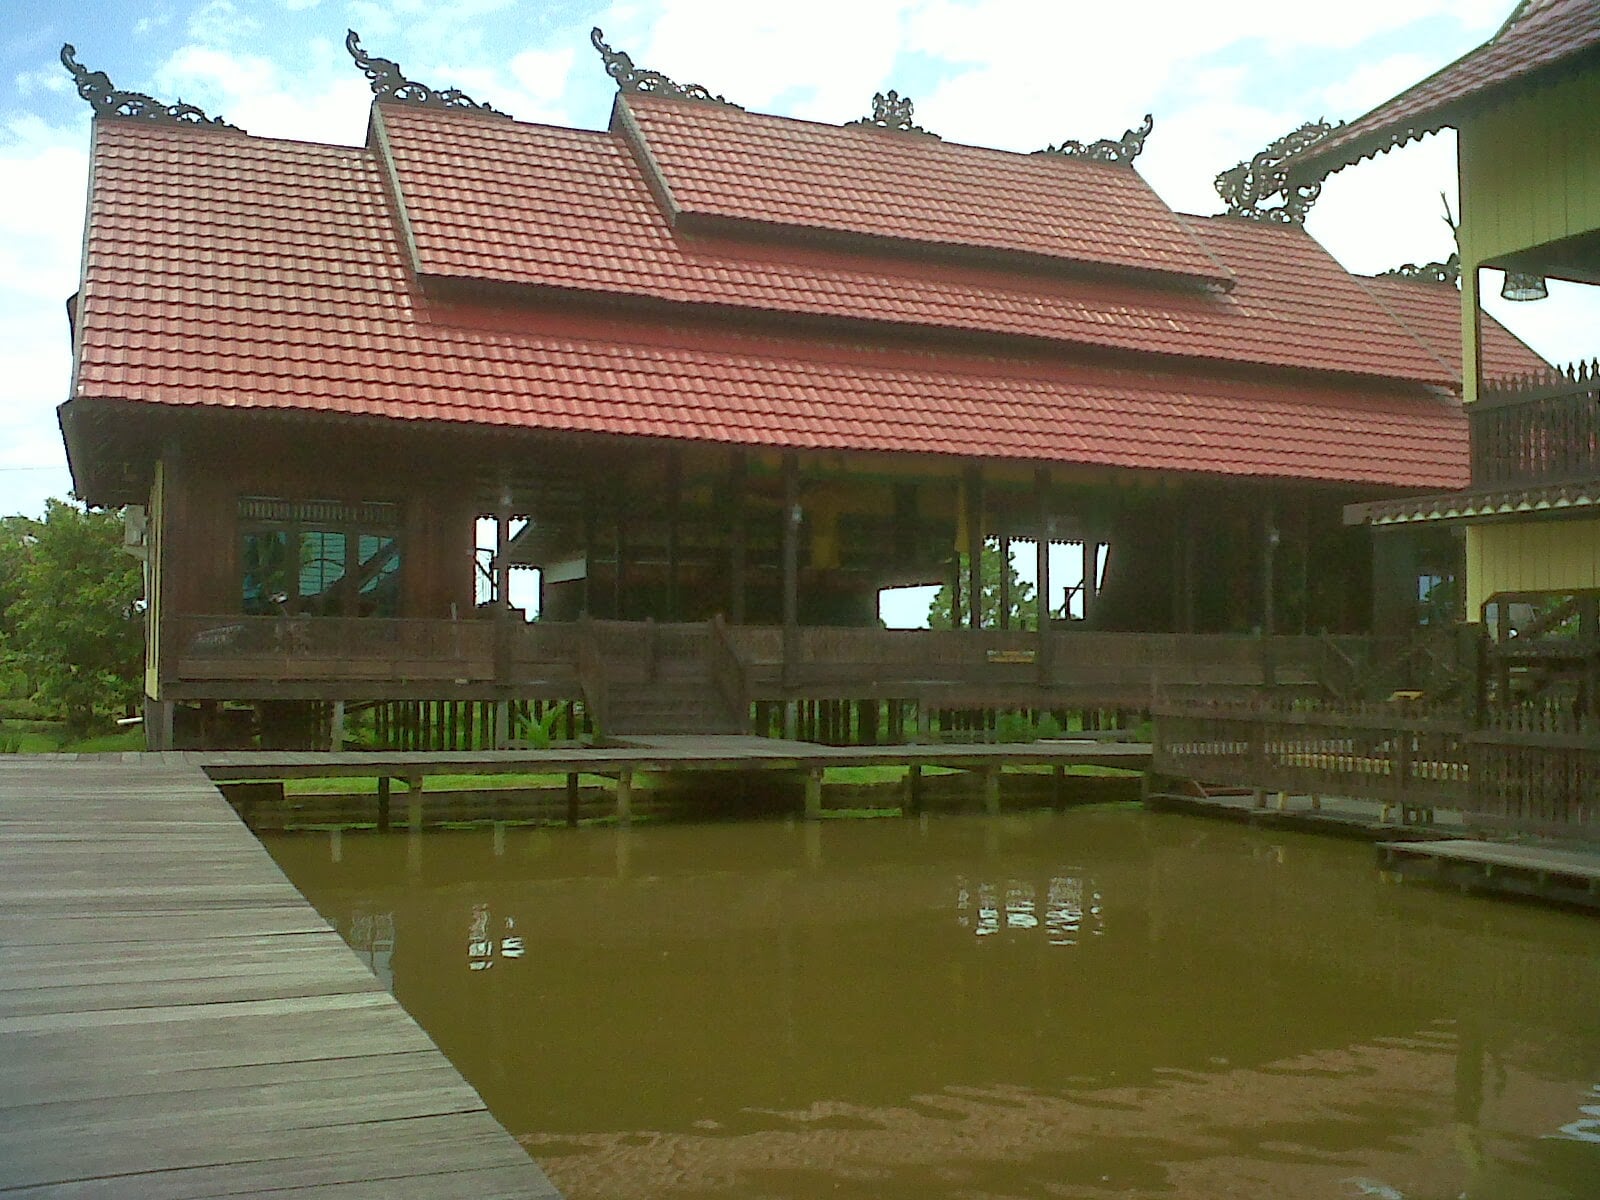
{"x": 176, "y": 1021}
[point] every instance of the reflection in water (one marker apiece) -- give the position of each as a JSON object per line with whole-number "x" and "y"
{"x": 943, "y": 1009}
{"x": 979, "y": 907}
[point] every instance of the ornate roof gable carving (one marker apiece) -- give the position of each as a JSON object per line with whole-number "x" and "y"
{"x": 1121, "y": 151}
{"x": 1448, "y": 271}
{"x": 891, "y": 110}
{"x": 109, "y": 101}
{"x": 631, "y": 79}
{"x": 388, "y": 83}
{"x": 1245, "y": 187}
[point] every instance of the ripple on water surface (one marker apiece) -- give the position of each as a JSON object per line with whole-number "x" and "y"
{"x": 1077, "y": 1005}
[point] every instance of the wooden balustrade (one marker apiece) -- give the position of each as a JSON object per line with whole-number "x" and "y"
{"x": 1538, "y": 430}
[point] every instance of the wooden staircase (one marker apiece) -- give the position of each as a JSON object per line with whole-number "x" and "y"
{"x": 657, "y": 679}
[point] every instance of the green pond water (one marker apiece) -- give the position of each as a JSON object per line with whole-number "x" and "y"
{"x": 1100, "y": 1003}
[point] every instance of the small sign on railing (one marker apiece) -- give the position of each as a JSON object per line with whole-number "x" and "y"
{"x": 1009, "y": 656}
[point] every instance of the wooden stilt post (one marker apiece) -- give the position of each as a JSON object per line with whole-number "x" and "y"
{"x": 414, "y": 803}
{"x": 991, "y": 790}
{"x": 336, "y": 727}
{"x": 383, "y": 803}
{"x": 572, "y": 800}
{"x": 814, "y": 794}
{"x": 625, "y": 796}
{"x": 1058, "y": 779}
{"x": 913, "y": 789}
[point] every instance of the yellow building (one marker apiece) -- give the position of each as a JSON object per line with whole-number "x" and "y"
{"x": 1523, "y": 105}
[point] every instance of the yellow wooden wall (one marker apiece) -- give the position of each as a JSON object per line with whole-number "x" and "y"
{"x": 1530, "y": 174}
{"x": 1530, "y": 556}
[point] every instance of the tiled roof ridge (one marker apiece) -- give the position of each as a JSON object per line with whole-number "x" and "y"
{"x": 891, "y": 136}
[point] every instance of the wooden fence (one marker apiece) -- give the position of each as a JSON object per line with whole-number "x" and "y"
{"x": 1527, "y": 766}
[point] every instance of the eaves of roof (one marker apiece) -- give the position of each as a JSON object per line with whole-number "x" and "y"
{"x": 1542, "y": 43}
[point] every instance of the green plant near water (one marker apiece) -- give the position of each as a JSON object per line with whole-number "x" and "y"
{"x": 539, "y": 732}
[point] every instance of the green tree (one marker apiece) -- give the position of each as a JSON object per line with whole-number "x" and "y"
{"x": 1024, "y": 608}
{"x": 76, "y": 625}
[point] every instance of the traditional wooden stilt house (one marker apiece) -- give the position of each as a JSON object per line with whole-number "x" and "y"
{"x": 737, "y": 373}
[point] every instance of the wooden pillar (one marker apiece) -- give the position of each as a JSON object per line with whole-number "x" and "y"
{"x": 738, "y": 534}
{"x": 792, "y": 517}
{"x": 336, "y": 727}
{"x": 1091, "y": 578}
{"x": 1041, "y": 490}
{"x": 619, "y": 545}
{"x": 502, "y": 549}
{"x": 158, "y": 722}
{"x": 502, "y": 586}
{"x": 973, "y": 493}
{"x": 674, "y": 490}
{"x": 383, "y": 804}
{"x": 957, "y": 607}
{"x": 913, "y": 804}
{"x": 1005, "y": 581}
{"x": 1189, "y": 531}
{"x": 586, "y": 527}
{"x": 1269, "y": 555}
{"x": 625, "y": 796}
{"x": 572, "y": 800}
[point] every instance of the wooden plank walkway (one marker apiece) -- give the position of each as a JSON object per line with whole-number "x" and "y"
{"x": 177, "y": 1021}
{"x": 660, "y": 754}
{"x": 1563, "y": 875}
{"x": 1369, "y": 820}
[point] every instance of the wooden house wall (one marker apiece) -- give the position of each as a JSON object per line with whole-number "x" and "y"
{"x": 1530, "y": 556}
{"x": 196, "y": 543}
{"x": 1530, "y": 175}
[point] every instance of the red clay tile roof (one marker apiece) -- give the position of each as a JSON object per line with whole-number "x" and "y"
{"x": 1433, "y": 312}
{"x": 536, "y": 206}
{"x": 229, "y": 272}
{"x": 1541, "y": 36}
{"x": 718, "y": 161}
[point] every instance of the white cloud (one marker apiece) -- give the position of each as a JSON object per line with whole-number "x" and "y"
{"x": 326, "y": 100}
{"x": 825, "y": 58}
{"x": 41, "y": 236}
{"x": 1369, "y": 86}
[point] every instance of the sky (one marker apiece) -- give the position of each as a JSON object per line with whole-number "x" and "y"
{"x": 1222, "y": 80}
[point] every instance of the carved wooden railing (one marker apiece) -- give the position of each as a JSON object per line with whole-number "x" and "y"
{"x": 728, "y": 672}
{"x": 1529, "y": 766}
{"x": 592, "y": 674}
{"x": 1374, "y": 752}
{"x": 1537, "y": 430}
{"x": 318, "y": 648}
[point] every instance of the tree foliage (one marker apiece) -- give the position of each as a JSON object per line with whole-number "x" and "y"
{"x": 1024, "y": 606}
{"x": 70, "y": 612}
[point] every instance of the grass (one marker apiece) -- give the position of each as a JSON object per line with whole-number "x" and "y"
{"x": 50, "y": 737}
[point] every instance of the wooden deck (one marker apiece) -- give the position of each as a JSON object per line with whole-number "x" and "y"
{"x": 665, "y": 755}
{"x": 695, "y": 752}
{"x": 1551, "y": 873}
{"x": 176, "y": 1020}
